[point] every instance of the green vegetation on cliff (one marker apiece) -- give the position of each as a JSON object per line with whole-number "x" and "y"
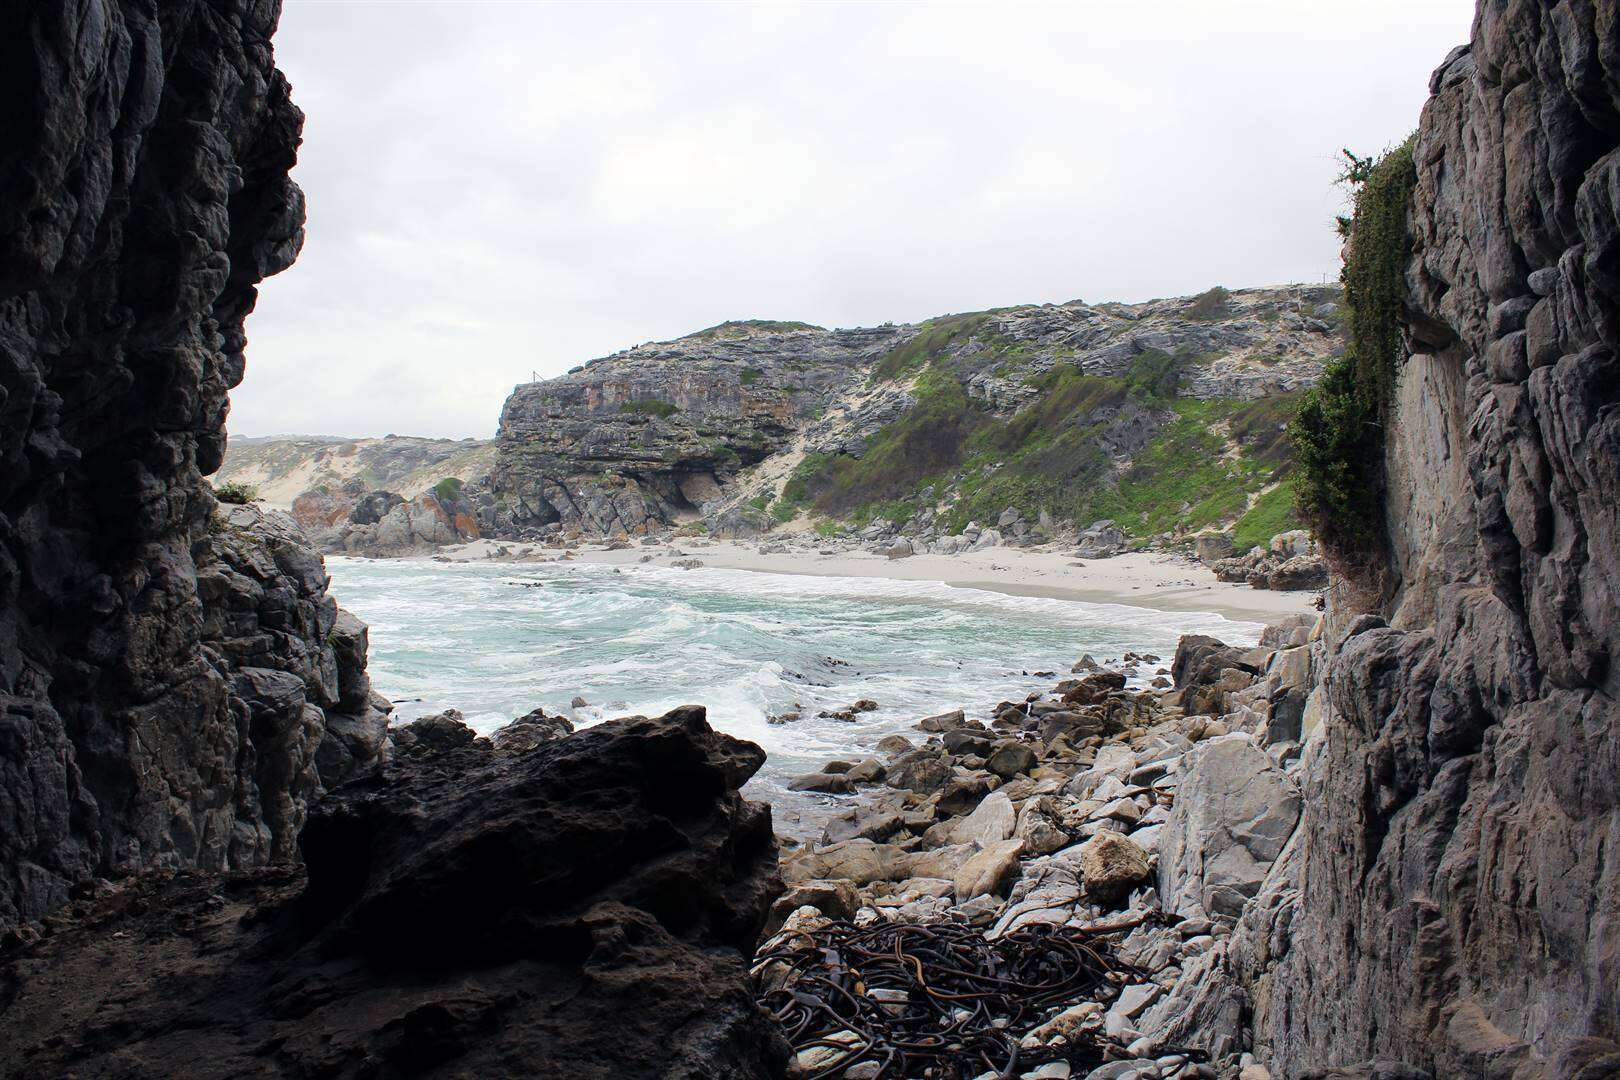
{"x": 936, "y": 337}
{"x": 236, "y": 493}
{"x": 738, "y": 327}
{"x": 649, "y": 407}
{"x": 1197, "y": 465}
{"x": 1338, "y": 434}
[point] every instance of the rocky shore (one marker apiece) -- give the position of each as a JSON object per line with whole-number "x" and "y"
{"x": 1140, "y": 822}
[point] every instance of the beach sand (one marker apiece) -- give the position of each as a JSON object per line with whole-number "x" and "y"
{"x": 1157, "y": 581}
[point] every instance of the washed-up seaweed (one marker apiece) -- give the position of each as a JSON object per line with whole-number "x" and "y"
{"x": 941, "y": 1000}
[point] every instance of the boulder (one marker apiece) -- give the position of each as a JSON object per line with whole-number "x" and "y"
{"x": 1234, "y": 811}
{"x": 434, "y": 734}
{"x": 1212, "y": 547}
{"x": 1011, "y": 758}
{"x": 823, "y": 782}
{"x": 531, "y": 730}
{"x": 992, "y": 820}
{"x": 988, "y": 871}
{"x": 1300, "y": 572}
{"x": 1111, "y": 865}
{"x": 922, "y": 771}
{"x": 944, "y": 722}
{"x": 834, "y": 898}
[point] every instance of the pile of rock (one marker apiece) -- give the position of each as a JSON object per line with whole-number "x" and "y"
{"x": 1099, "y": 800}
{"x": 1292, "y": 561}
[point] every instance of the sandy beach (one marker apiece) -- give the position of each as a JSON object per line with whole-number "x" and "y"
{"x": 1157, "y": 581}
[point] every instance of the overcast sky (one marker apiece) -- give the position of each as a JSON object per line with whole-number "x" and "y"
{"x": 505, "y": 187}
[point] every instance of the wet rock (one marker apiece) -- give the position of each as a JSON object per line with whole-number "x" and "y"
{"x": 531, "y": 730}
{"x": 825, "y": 783}
{"x": 868, "y": 771}
{"x": 944, "y": 722}
{"x": 434, "y": 734}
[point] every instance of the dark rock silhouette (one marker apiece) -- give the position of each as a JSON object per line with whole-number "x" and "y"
{"x": 584, "y": 908}
{"x": 167, "y": 668}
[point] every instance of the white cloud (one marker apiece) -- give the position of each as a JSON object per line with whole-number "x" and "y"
{"x": 497, "y": 188}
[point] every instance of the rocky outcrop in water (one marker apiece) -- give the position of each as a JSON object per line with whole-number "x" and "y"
{"x": 577, "y": 906}
{"x": 169, "y": 673}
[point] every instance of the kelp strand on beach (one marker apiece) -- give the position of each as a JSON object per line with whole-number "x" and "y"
{"x": 942, "y": 1000}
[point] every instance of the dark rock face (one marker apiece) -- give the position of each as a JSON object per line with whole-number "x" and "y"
{"x": 1460, "y": 887}
{"x": 584, "y": 908}
{"x": 166, "y": 677}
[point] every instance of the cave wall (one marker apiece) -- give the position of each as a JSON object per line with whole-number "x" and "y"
{"x": 1459, "y": 881}
{"x": 144, "y": 153}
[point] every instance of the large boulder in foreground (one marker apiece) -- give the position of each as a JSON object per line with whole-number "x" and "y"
{"x": 581, "y": 908}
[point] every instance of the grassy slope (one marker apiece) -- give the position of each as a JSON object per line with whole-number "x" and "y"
{"x": 1202, "y": 467}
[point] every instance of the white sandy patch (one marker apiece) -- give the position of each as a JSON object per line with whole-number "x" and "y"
{"x": 1160, "y": 582}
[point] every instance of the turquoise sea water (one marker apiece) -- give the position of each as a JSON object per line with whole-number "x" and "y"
{"x": 496, "y": 641}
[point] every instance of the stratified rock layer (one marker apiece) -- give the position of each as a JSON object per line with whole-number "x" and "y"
{"x": 1459, "y": 884}
{"x": 166, "y": 674}
{"x": 580, "y": 907}
{"x": 625, "y": 443}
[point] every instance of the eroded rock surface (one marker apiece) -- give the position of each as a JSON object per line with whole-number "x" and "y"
{"x": 168, "y": 671}
{"x": 582, "y": 907}
{"x": 1452, "y": 904}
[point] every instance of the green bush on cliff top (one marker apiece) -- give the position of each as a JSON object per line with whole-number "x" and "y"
{"x": 1338, "y": 434}
{"x": 236, "y": 493}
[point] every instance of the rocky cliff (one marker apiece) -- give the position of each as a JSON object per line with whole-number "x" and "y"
{"x": 1460, "y": 892}
{"x": 1449, "y": 904}
{"x": 175, "y": 684}
{"x": 631, "y": 441}
{"x": 1163, "y": 414}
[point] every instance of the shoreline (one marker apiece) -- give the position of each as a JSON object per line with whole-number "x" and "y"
{"x": 1159, "y": 582}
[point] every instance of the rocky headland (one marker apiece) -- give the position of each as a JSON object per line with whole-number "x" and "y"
{"x": 991, "y": 420}
{"x": 1097, "y": 428}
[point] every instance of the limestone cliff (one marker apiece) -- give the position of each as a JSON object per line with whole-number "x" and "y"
{"x": 632, "y": 440}
{"x": 932, "y": 425}
{"x": 1460, "y": 892}
{"x": 168, "y": 674}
